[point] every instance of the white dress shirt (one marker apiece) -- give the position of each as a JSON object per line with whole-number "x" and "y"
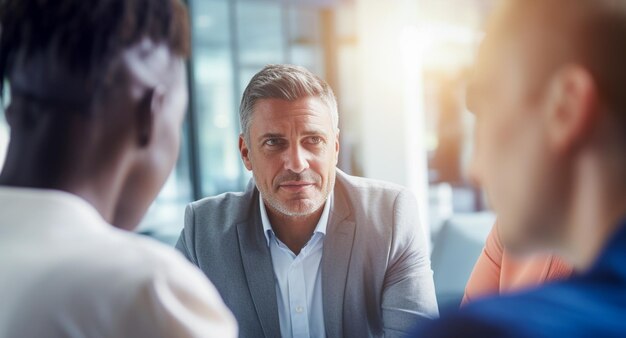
{"x": 65, "y": 272}
{"x": 298, "y": 279}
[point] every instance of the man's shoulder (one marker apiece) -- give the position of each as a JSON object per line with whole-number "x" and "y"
{"x": 528, "y": 314}
{"x": 221, "y": 211}
{"x": 506, "y": 316}
{"x": 357, "y": 182}
{"x": 384, "y": 207}
{"x": 368, "y": 189}
{"x": 464, "y": 324}
{"x": 222, "y": 201}
{"x": 535, "y": 303}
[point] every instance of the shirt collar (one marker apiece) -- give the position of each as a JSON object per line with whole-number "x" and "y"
{"x": 322, "y": 224}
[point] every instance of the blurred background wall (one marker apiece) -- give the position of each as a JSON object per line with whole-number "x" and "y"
{"x": 398, "y": 68}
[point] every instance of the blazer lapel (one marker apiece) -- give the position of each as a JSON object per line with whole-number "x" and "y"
{"x": 257, "y": 264}
{"x": 335, "y": 262}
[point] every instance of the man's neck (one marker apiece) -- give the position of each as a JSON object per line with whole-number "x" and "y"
{"x": 294, "y": 232}
{"x": 597, "y": 211}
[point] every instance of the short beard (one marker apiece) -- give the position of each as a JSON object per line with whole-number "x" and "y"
{"x": 301, "y": 210}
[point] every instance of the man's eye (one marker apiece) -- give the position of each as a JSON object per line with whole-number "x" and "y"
{"x": 272, "y": 142}
{"x": 315, "y": 140}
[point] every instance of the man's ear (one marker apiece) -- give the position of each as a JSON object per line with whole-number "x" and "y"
{"x": 149, "y": 106}
{"x": 245, "y": 152}
{"x": 572, "y": 107}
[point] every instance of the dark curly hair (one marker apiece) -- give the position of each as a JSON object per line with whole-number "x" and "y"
{"x": 84, "y": 36}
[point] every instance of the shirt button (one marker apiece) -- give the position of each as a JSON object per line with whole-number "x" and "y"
{"x": 299, "y": 309}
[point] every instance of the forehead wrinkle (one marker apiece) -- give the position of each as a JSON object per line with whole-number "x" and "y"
{"x": 278, "y": 129}
{"x": 279, "y": 119}
{"x": 278, "y": 108}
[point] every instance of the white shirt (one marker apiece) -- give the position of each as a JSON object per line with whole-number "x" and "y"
{"x": 65, "y": 272}
{"x": 298, "y": 279}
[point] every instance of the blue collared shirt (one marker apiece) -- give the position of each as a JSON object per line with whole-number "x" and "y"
{"x": 299, "y": 279}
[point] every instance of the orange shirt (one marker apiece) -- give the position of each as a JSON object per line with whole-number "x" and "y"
{"x": 496, "y": 271}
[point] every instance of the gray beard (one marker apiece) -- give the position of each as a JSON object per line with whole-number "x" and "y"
{"x": 285, "y": 210}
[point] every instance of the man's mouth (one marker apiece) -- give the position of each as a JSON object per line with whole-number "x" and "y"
{"x": 296, "y": 186}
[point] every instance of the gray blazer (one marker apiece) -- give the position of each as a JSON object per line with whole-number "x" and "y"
{"x": 376, "y": 276}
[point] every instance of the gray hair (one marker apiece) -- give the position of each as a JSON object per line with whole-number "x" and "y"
{"x": 285, "y": 82}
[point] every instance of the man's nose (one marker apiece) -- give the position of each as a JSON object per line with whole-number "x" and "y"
{"x": 295, "y": 159}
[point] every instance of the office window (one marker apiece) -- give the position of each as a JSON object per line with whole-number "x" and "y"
{"x": 4, "y": 139}
{"x": 232, "y": 41}
{"x": 304, "y": 36}
{"x": 261, "y": 37}
{"x": 213, "y": 98}
{"x": 4, "y": 127}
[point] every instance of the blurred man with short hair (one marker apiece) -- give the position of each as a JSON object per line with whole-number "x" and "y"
{"x": 98, "y": 95}
{"x": 550, "y": 152}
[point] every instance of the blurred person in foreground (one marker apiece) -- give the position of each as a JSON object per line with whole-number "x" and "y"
{"x": 307, "y": 250}
{"x": 98, "y": 97}
{"x": 550, "y": 144}
{"x": 499, "y": 271}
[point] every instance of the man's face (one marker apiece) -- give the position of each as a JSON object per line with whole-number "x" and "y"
{"x": 292, "y": 152}
{"x": 512, "y": 158}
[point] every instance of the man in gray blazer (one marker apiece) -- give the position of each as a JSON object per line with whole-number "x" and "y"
{"x": 307, "y": 250}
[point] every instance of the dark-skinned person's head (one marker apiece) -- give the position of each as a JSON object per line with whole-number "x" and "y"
{"x": 97, "y": 98}
{"x": 548, "y": 94}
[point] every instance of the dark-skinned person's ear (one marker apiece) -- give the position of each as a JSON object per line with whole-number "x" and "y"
{"x": 149, "y": 106}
